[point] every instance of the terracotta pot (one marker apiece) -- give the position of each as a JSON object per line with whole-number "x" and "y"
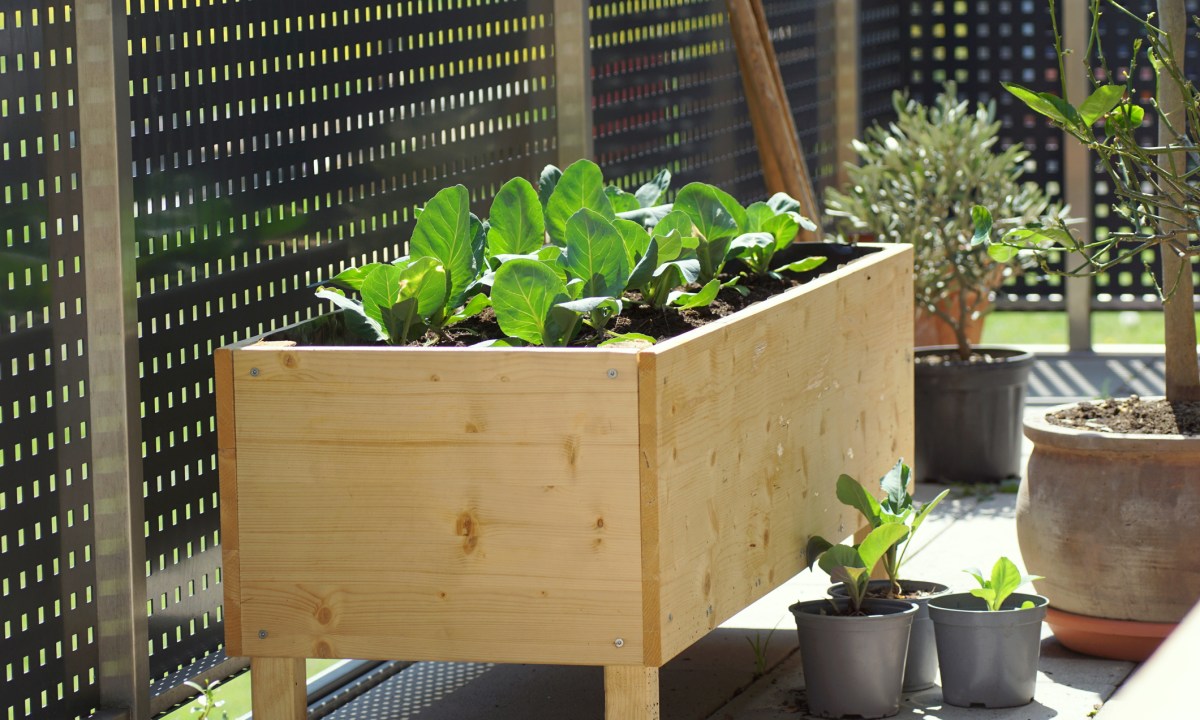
{"x": 1117, "y": 639}
{"x": 931, "y": 330}
{"x": 1112, "y": 521}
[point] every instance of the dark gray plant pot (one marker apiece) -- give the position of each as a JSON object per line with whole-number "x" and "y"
{"x": 968, "y": 417}
{"x": 853, "y": 666}
{"x": 920, "y": 669}
{"x": 988, "y": 659}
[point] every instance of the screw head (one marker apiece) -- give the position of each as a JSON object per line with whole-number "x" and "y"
{"x": 253, "y": 372}
{"x": 262, "y": 634}
{"x": 619, "y": 642}
{"x": 612, "y": 373}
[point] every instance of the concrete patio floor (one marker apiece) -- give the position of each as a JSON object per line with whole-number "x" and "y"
{"x": 715, "y": 678}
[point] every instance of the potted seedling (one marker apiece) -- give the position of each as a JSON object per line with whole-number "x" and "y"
{"x": 853, "y": 648}
{"x": 896, "y": 508}
{"x": 989, "y": 640}
{"x": 916, "y": 182}
{"x": 1144, "y": 452}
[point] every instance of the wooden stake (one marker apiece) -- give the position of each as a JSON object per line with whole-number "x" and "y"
{"x": 784, "y": 168}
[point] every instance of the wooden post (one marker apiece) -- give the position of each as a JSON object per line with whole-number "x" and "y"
{"x": 1077, "y": 181}
{"x": 572, "y": 81}
{"x": 630, "y": 692}
{"x": 277, "y": 689}
{"x": 779, "y": 148}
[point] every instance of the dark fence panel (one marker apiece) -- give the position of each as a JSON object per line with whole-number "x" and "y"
{"x": 668, "y": 93}
{"x": 274, "y": 142}
{"x": 48, "y": 654}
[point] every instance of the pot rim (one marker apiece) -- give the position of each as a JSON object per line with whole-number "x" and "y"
{"x": 1012, "y": 354}
{"x": 899, "y": 608}
{"x": 945, "y": 589}
{"x": 1039, "y": 430}
{"x": 1040, "y": 603}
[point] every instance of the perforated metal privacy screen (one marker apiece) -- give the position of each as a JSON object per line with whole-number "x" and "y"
{"x": 668, "y": 93}
{"x": 271, "y": 143}
{"x": 48, "y": 657}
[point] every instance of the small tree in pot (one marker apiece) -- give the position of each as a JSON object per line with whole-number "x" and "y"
{"x": 919, "y": 178}
{"x": 917, "y": 181}
{"x": 1108, "y": 601}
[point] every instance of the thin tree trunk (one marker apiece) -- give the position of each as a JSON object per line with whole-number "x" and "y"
{"x": 1182, "y": 370}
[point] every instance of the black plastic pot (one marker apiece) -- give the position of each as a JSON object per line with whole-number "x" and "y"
{"x": 920, "y": 668}
{"x": 853, "y": 666}
{"x": 968, "y": 416}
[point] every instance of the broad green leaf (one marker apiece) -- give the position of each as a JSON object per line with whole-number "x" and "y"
{"x": 805, "y": 265}
{"x": 647, "y": 217}
{"x": 644, "y": 269}
{"x": 757, "y": 216}
{"x": 839, "y": 556}
{"x": 351, "y": 278}
{"x": 1037, "y": 102}
{"x": 675, "y": 221}
{"x": 444, "y": 232}
{"x": 707, "y": 208}
{"x": 1005, "y": 577}
{"x": 523, "y": 294}
{"x": 517, "y": 225}
{"x": 784, "y": 228}
{"x": 750, "y": 241}
{"x": 704, "y": 296}
{"x": 627, "y": 337}
{"x": 851, "y": 493}
{"x": 879, "y": 541}
{"x": 547, "y": 181}
{"x": 669, "y": 245}
{"x": 473, "y": 307}
{"x": 781, "y": 203}
{"x": 1101, "y": 101}
{"x": 634, "y": 237}
{"x": 381, "y": 289}
{"x": 649, "y": 194}
{"x": 981, "y": 217}
{"x": 621, "y": 200}
{"x": 895, "y": 485}
{"x": 1001, "y": 253}
{"x": 562, "y": 324}
{"x": 989, "y": 596}
{"x": 595, "y": 253}
{"x": 356, "y": 319}
{"x": 581, "y": 186}
{"x": 812, "y": 551}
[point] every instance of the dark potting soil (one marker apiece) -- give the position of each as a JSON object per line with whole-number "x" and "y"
{"x": 1131, "y": 415}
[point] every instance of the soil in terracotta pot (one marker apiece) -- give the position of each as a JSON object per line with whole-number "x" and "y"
{"x": 1131, "y": 415}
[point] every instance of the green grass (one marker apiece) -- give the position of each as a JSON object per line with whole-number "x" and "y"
{"x": 236, "y": 695}
{"x": 1050, "y": 328}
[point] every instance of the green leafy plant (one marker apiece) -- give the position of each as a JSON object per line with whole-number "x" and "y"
{"x": 896, "y": 509}
{"x": 1004, "y": 580}
{"x": 1154, "y": 181}
{"x": 852, "y": 565}
{"x": 759, "y": 645}
{"x": 916, "y": 182}
{"x": 554, "y": 259}
{"x": 770, "y": 227}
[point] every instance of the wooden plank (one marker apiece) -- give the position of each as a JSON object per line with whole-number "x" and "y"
{"x": 440, "y": 504}
{"x": 227, "y": 472}
{"x": 648, "y": 495}
{"x": 630, "y": 693}
{"x": 756, "y": 421}
{"x": 277, "y": 689}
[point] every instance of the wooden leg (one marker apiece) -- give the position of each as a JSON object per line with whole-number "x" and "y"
{"x": 277, "y": 689}
{"x": 630, "y": 692}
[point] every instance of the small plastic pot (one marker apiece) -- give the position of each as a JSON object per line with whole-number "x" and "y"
{"x": 988, "y": 658}
{"x": 920, "y": 669}
{"x": 853, "y": 666}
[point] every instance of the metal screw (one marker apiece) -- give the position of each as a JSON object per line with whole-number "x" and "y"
{"x": 262, "y": 634}
{"x": 619, "y": 642}
{"x": 253, "y": 372}
{"x": 670, "y": 617}
{"x": 612, "y": 373}
{"x": 709, "y": 611}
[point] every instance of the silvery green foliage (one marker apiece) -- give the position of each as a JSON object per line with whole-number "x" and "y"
{"x": 916, "y": 182}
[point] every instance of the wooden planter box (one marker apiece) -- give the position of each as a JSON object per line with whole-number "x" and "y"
{"x": 566, "y": 506}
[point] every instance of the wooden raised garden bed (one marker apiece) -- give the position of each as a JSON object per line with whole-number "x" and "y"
{"x": 565, "y": 506}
